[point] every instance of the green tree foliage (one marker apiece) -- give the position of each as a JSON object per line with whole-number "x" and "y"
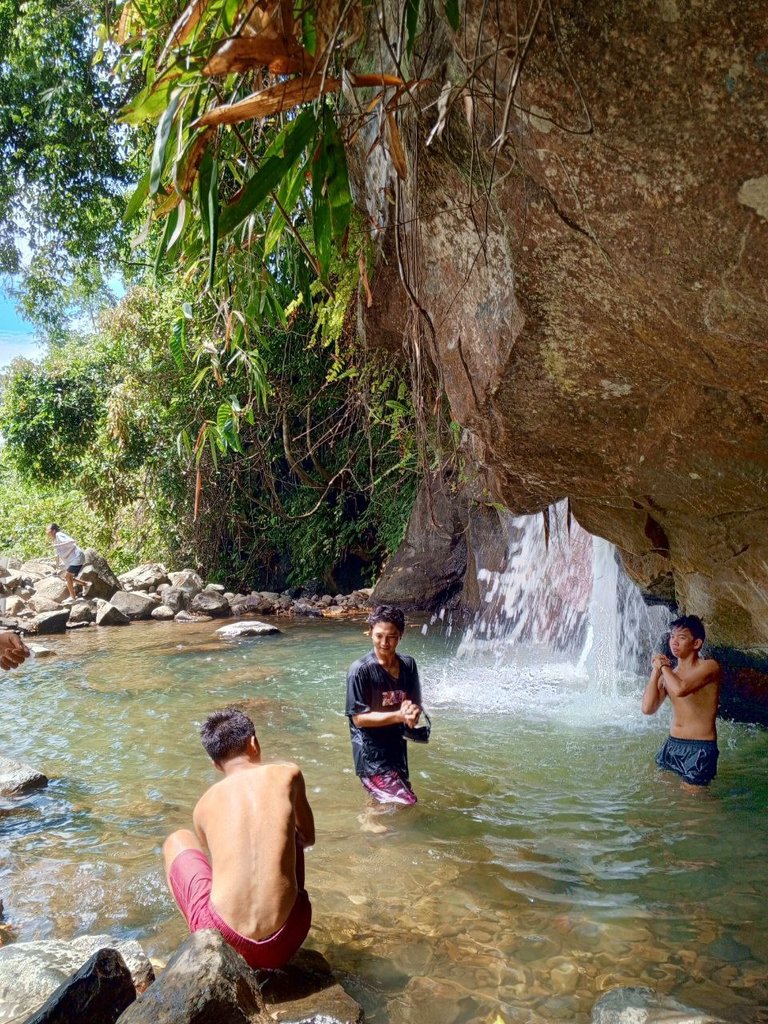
{"x": 62, "y": 168}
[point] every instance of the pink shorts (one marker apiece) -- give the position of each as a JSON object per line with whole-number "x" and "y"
{"x": 389, "y": 788}
{"x": 191, "y": 880}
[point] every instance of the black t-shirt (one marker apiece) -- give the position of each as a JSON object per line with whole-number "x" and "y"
{"x": 371, "y": 688}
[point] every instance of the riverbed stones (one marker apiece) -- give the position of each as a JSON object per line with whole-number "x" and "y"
{"x": 38, "y": 567}
{"x": 96, "y": 994}
{"x": 17, "y": 777}
{"x": 133, "y": 605}
{"x": 52, "y": 587}
{"x": 205, "y": 982}
{"x": 260, "y": 604}
{"x": 108, "y": 615}
{"x": 40, "y": 603}
{"x": 148, "y": 575}
{"x": 82, "y": 612}
{"x": 162, "y": 613}
{"x": 639, "y": 1005}
{"x": 189, "y": 617}
{"x": 97, "y": 573}
{"x": 238, "y": 630}
{"x": 54, "y": 621}
{"x": 187, "y": 580}
{"x": 210, "y": 602}
{"x": 177, "y": 598}
{"x": 31, "y": 971}
{"x": 306, "y": 990}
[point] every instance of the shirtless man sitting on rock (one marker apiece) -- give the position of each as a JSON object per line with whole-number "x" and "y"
{"x": 254, "y": 825}
{"x": 693, "y": 687}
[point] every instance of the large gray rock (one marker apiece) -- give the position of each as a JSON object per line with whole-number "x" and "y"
{"x": 306, "y": 990}
{"x": 108, "y": 615}
{"x": 17, "y": 777}
{"x": 259, "y": 604}
{"x": 49, "y": 622}
{"x": 187, "y": 580}
{"x": 133, "y": 606}
{"x": 9, "y": 564}
{"x": 31, "y": 971}
{"x": 205, "y": 982}
{"x": 36, "y": 568}
{"x": 40, "y": 603}
{"x": 12, "y": 582}
{"x": 82, "y": 612}
{"x": 236, "y": 630}
{"x": 177, "y": 598}
{"x": 145, "y": 576}
{"x": 96, "y": 572}
{"x": 163, "y": 613}
{"x": 210, "y": 602}
{"x": 14, "y": 605}
{"x": 644, "y": 1006}
{"x": 184, "y": 616}
{"x": 96, "y": 994}
{"x": 52, "y": 587}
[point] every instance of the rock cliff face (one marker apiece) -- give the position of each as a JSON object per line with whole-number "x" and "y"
{"x": 589, "y": 264}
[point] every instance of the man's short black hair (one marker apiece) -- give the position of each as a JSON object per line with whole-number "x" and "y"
{"x": 692, "y": 623}
{"x": 388, "y": 613}
{"x": 226, "y": 733}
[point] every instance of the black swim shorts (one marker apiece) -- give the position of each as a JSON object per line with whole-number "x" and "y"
{"x": 694, "y": 760}
{"x": 75, "y": 570}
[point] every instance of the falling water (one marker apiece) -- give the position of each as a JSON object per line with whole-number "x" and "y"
{"x": 561, "y": 596}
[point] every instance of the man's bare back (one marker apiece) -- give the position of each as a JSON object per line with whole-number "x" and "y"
{"x": 242, "y": 869}
{"x": 248, "y": 822}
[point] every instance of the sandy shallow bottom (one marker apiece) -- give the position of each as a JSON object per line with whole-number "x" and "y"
{"x": 546, "y": 862}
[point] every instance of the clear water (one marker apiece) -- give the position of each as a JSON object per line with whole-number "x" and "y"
{"x": 546, "y": 862}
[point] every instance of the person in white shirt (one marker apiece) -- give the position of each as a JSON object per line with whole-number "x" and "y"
{"x": 69, "y": 555}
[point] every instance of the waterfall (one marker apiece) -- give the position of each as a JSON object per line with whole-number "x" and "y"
{"x": 561, "y": 596}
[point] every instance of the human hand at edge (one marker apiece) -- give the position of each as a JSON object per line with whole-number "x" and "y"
{"x": 13, "y": 650}
{"x": 660, "y": 661}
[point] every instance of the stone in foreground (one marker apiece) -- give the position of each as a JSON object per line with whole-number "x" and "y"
{"x": 210, "y": 602}
{"x": 305, "y": 990}
{"x": 184, "y": 616}
{"x": 16, "y": 777}
{"x": 96, "y": 994}
{"x": 236, "y": 630}
{"x": 31, "y": 971}
{"x": 640, "y": 1005}
{"x": 134, "y": 606}
{"x": 162, "y": 613}
{"x": 49, "y": 622}
{"x": 96, "y": 572}
{"x": 205, "y": 982}
{"x": 108, "y": 615}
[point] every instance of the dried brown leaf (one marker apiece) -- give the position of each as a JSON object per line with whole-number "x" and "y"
{"x": 396, "y": 150}
{"x": 241, "y": 54}
{"x": 272, "y": 100}
{"x": 364, "y": 279}
{"x": 183, "y": 27}
{"x": 188, "y": 170}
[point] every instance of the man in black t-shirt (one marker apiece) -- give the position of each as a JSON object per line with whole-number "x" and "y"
{"x": 383, "y": 696}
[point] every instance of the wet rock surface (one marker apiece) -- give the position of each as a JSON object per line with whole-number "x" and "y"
{"x": 30, "y": 972}
{"x": 236, "y": 630}
{"x": 307, "y": 991}
{"x": 96, "y": 994}
{"x": 17, "y": 777}
{"x": 204, "y": 982}
{"x": 644, "y": 1006}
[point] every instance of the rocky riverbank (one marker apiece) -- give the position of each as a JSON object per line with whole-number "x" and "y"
{"x": 37, "y": 600}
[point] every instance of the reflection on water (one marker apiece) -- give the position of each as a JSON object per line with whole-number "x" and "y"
{"x": 546, "y": 862}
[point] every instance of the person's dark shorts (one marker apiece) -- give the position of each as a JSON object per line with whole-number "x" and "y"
{"x": 695, "y": 761}
{"x": 75, "y": 569}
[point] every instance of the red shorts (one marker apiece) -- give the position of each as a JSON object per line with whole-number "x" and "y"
{"x": 191, "y": 880}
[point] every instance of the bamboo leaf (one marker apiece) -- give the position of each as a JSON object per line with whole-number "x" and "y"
{"x": 177, "y": 343}
{"x": 279, "y": 159}
{"x": 161, "y": 141}
{"x": 396, "y": 150}
{"x": 138, "y": 196}
{"x": 452, "y": 13}
{"x": 411, "y": 24}
{"x": 213, "y": 220}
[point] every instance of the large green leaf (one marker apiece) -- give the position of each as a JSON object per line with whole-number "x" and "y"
{"x": 288, "y": 195}
{"x": 213, "y": 220}
{"x": 331, "y": 199}
{"x": 411, "y": 24}
{"x": 138, "y": 196}
{"x": 150, "y": 102}
{"x": 452, "y": 13}
{"x": 161, "y": 141}
{"x": 278, "y": 160}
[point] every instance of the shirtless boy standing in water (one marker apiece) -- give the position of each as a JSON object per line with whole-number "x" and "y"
{"x": 693, "y": 687}
{"x": 254, "y": 824}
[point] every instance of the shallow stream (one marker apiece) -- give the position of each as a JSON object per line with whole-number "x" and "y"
{"x": 546, "y": 861}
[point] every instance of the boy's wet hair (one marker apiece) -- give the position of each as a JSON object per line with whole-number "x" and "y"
{"x": 388, "y": 613}
{"x": 226, "y": 733}
{"x": 692, "y": 623}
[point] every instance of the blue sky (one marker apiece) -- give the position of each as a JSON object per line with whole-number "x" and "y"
{"x": 16, "y": 335}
